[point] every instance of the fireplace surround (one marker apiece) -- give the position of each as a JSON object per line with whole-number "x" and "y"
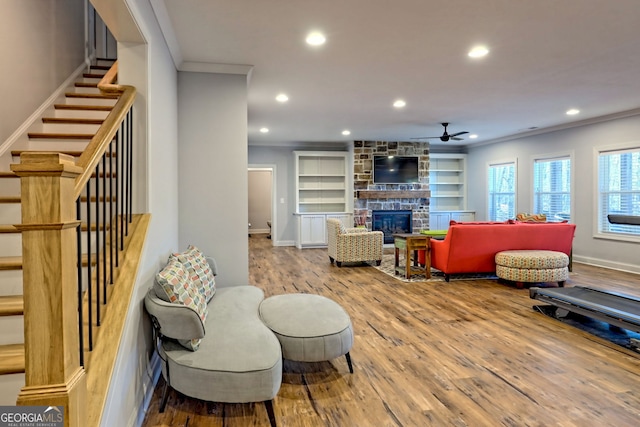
{"x": 369, "y": 196}
{"x": 391, "y": 222}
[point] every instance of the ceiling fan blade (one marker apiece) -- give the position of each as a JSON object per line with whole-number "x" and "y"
{"x": 455, "y": 138}
{"x": 458, "y": 133}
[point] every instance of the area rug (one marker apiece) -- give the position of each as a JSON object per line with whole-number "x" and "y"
{"x": 388, "y": 267}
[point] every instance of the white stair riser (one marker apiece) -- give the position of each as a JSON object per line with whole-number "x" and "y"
{"x": 10, "y": 282}
{"x": 69, "y": 128}
{"x": 10, "y": 386}
{"x": 77, "y": 89}
{"x": 87, "y": 114}
{"x": 51, "y": 145}
{"x": 11, "y": 243}
{"x": 9, "y": 187}
{"x": 9, "y": 214}
{"x": 90, "y": 101}
{"x": 12, "y": 328}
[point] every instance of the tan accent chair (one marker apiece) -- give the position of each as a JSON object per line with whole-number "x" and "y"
{"x": 353, "y": 244}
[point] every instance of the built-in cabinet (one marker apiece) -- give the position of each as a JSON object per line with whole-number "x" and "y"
{"x": 323, "y": 190}
{"x": 448, "y": 186}
{"x": 312, "y": 228}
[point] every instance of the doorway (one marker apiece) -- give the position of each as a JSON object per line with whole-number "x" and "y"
{"x": 262, "y": 206}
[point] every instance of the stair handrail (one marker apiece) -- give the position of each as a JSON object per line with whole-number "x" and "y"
{"x": 101, "y": 140}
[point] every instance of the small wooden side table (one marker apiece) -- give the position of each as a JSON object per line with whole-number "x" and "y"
{"x": 412, "y": 243}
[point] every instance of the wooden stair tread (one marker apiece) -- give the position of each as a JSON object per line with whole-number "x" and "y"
{"x": 10, "y": 199}
{"x": 11, "y": 263}
{"x": 83, "y": 107}
{"x": 8, "y": 175}
{"x": 93, "y": 75}
{"x": 72, "y": 121}
{"x": 100, "y": 67}
{"x": 85, "y": 84}
{"x": 8, "y": 228}
{"x": 53, "y": 135}
{"x": 91, "y": 95}
{"x": 74, "y": 153}
{"x": 11, "y": 305}
{"x": 11, "y": 359}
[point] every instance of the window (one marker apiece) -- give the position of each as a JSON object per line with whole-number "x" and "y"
{"x": 618, "y": 189}
{"x": 552, "y": 187}
{"x": 502, "y": 191}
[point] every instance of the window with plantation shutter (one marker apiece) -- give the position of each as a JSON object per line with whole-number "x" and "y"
{"x": 502, "y": 191}
{"x": 552, "y": 187}
{"x": 618, "y": 190}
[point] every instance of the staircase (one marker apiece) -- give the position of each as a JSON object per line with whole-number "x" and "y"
{"x": 67, "y": 127}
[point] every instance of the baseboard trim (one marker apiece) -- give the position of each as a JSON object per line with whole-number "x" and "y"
{"x": 596, "y": 262}
{"x": 284, "y": 243}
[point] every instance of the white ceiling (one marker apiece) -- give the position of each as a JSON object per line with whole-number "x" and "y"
{"x": 546, "y": 56}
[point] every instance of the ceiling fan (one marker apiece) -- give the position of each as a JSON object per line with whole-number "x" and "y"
{"x": 445, "y": 136}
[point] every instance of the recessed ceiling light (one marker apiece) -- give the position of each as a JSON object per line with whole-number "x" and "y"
{"x": 399, "y": 103}
{"x": 346, "y": 132}
{"x": 282, "y": 98}
{"x": 478, "y": 52}
{"x": 316, "y": 39}
{"x": 264, "y": 130}
{"x": 573, "y": 112}
{"x": 473, "y": 136}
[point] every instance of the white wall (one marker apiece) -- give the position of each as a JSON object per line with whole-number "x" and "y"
{"x": 580, "y": 141}
{"x": 212, "y": 159}
{"x": 149, "y": 67}
{"x": 45, "y": 46}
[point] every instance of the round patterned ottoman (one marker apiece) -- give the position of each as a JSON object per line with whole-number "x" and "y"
{"x": 311, "y": 328}
{"x": 532, "y": 266}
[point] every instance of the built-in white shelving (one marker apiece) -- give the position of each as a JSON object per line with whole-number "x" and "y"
{"x": 447, "y": 182}
{"x": 323, "y": 190}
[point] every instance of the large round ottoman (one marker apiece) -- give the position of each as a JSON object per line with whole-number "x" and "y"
{"x": 311, "y": 328}
{"x": 532, "y": 266}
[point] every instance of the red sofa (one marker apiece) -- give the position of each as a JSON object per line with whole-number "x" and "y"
{"x": 471, "y": 247}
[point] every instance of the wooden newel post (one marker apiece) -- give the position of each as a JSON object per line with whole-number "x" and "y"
{"x": 53, "y": 373}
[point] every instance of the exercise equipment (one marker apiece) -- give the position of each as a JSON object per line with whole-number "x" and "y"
{"x": 624, "y": 219}
{"x": 615, "y": 308}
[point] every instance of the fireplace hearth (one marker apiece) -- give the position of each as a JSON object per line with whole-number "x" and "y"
{"x": 391, "y": 222}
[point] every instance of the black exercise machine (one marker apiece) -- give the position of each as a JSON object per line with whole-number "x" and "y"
{"x": 614, "y": 308}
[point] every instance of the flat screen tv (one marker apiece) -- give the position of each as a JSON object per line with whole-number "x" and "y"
{"x": 395, "y": 169}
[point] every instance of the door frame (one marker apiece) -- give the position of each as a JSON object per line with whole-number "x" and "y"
{"x": 274, "y": 199}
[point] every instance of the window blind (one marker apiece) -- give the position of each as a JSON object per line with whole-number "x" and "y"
{"x": 552, "y": 188}
{"x": 618, "y": 189}
{"x": 502, "y": 191}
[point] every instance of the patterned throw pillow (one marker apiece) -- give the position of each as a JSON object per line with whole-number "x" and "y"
{"x": 174, "y": 280}
{"x": 526, "y": 217}
{"x": 199, "y": 270}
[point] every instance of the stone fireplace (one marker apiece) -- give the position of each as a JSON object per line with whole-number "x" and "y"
{"x": 371, "y": 197}
{"x": 391, "y": 222}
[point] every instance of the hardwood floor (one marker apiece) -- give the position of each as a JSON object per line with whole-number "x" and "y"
{"x": 465, "y": 353}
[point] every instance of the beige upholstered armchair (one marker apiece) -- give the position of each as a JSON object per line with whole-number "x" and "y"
{"x": 353, "y": 244}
